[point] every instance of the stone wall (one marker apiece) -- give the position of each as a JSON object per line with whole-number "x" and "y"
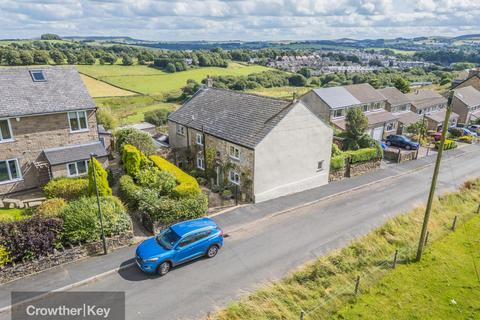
{"x": 19, "y": 270}
{"x": 399, "y": 156}
{"x": 355, "y": 169}
{"x": 32, "y": 135}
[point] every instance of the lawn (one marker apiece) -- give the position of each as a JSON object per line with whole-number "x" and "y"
{"x": 325, "y": 286}
{"x": 444, "y": 285}
{"x": 281, "y": 92}
{"x": 147, "y": 80}
{"x": 98, "y": 88}
{"x": 11, "y": 214}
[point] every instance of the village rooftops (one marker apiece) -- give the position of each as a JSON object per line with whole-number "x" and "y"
{"x": 365, "y": 93}
{"x": 394, "y": 96}
{"x": 468, "y": 95}
{"x": 351, "y": 95}
{"x": 423, "y": 99}
{"x": 41, "y": 90}
{"x": 374, "y": 118}
{"x": 241, "y": 118}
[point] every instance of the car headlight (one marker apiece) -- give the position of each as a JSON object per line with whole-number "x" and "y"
{"x": 150, "y": 260}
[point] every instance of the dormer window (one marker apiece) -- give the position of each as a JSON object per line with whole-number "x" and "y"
{"x": 37, "y": 75}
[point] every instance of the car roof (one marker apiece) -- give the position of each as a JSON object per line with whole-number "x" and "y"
{"x": 182, "y": 228}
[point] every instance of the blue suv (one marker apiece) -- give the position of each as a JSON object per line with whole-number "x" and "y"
{"x": 178, "y": 244}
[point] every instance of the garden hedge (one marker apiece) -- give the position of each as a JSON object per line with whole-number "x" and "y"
{"x": 81, "y": 221}
{"x": 30, "y": 238}
{"x": 129, "y": 191}
{"x": 51, "y": 207}
{"x": 187, "y": 185}
{"x": 101, "y": 179}
{"x": 66, "y": 188}
{"x": 132, "y": 159}
{"x": 360, "y": 155}
{"x": 449, "y": 144}
{"x": 337, "y": 162}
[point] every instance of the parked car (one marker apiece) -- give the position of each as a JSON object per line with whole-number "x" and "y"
{"x": 178, "y": 244}
{"x": 402, "y": 142}
{"x": 463, "y": 131}
{"x": 474, "y": 128}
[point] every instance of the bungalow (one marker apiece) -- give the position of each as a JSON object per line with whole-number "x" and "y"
{"x": 332, "y": 104}
{"x": 466, "y": 103}
{"x": 48, "y": 127}
{"x": 267, "y": 147}
{"x": 432, "y": 106}
{"x": 400, "y": 106}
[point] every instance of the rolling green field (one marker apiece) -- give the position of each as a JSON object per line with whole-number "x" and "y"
{"x": 444, "y": 285}
{"x": 281, "y": 92}
{"x": 98, "y": 88}
{"x": 147, "y": 80}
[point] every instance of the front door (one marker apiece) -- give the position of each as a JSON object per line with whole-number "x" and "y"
{"x": 377, "y": 133}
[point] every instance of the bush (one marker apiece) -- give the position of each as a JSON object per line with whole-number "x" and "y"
{"x": 449, "y": 144}
{"x": 133, "y": 160}
{"x": 30, "y": 238}
{"x": 467, "y": 139}
{"x": 66, "y": 188}
{"x": 227, "y": 194}
{"x": 187, "y": 185}
{"x": 82, "y": 224}
{"x": 161, "y": 181}
{"x": 455, "y": 132}
{"x": 165, "y": 210}
{"x": 137, "y": 138}
{"x": 4, "y": 256}
{"x": 337, "y": 162}
{"x": 51, "y": 208}
{"x": 157, "y": 117}
{"x": 101, "y": 179}
{"x": 361, "y": 155}
{"x": 129, "y": 191}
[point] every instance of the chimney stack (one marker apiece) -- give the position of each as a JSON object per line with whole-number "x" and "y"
{"x": 209, "y": 82}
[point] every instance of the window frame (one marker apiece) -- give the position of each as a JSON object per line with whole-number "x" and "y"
{"x": 232, "y": 155}
{"x": 342, "y": 110}
{"x": 200, "y": 160}
{"x": 392, "y": 123}
{"x": 180, "y": 129}
{"x": 78, "y": 120}
{"x": 76, "y": 168}
{"x": 18, "y": 169}
{"x": 38, "y": 71}
{"x": 235, "y": 173}
{"x": 199, "y": 139}
{"x": 320, "y": 165}
{"x": 12, "y": 138}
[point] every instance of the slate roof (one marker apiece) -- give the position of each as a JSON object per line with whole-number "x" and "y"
{"x": 79, "y": 152}
{"x": 336, "y": 97}
{"x": 241, "y": 118}
{"x": 469, "y": 95}
{"x": 408, "y": 117}
{"x": 394, "y": 96}
{"x": 62, "y": 91}
{"x": 375, "y": 117}
{"x": 364, "y": 92}
{"x": 422, "y": 99}
{"x": 439, "y": 116}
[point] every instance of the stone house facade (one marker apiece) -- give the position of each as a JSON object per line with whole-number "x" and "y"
{"x": 48, "y": 127}
{"x": 466, "y": 103}
{"x": 264, "y": 147}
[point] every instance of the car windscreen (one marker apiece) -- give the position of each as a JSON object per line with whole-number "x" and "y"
{"x": 167, "y": 238}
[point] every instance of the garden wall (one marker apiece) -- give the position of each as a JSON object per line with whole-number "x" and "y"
{"x": 19, "y": 270}
{"x": 399, "y": 155}
{"x": 355, "y": 169}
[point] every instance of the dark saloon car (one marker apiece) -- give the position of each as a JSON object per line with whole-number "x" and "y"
{"x": 402, "y": 142}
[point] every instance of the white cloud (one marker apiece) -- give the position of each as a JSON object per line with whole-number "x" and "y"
{"x": 239, "y": 19}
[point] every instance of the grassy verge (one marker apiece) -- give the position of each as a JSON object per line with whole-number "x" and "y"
{"x": 445, "y": 278}
{"x": 11, "y": 215}
{"x": 323, "y": 287}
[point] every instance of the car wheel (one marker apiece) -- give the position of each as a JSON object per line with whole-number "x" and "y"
{"x": 388, "y": 143}
{"x": 408, "y": 147}
{"x": 163, "y": 268}
{"x": 212, "y": 251}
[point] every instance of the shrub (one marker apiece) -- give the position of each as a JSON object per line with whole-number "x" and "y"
{"x": 101, "y": 179}
{"x": 4, "y": 256}
{"x": 468, "y": 139}
{"x": 129, "y": 191}
{"x": 449, "y": 144}
{"x": 133, "y": 160}
{"x": 30, "y": 238}
{"x": 157, "y": 117}
{"x": 51, "y": 207}
{"x": 187, "y": 185}
{"x": 337, "y": 162}
{"x": 165, "y": 210}
{"x": 360, "y": 155}
{"x": 82, "y": 224}
{"x": 66, "y": 188}
{"x": 455, "y": 132}
{"x": 137, "y": 138}
{"x": 226, "y": 194}
{"x": 161, "y": 181}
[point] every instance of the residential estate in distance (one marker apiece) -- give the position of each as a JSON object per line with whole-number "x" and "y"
{"x": 268, "y": 147}
{"x": 48, "y": 127}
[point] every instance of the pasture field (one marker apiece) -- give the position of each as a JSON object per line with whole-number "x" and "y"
{"x": 98, "y": 88}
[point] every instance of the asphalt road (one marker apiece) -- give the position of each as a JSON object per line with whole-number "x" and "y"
{"x": 267, "y": 249}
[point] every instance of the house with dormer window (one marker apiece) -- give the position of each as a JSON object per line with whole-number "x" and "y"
{"x": 48, "y": 127}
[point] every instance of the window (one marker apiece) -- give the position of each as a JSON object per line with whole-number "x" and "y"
{"x": 234, "y": 152}
{"x": 78, "y": 121}
{"x": 180, "y": 130}
{"x": 376, "y": 106}
{"x": 38, "y": 75}
{"x": 320, "y": 165}
{"x": 78, "y": 168}
{"x": 200, "y": 163}
{"x": 10, "y": 171}
{"x": 390, "y": 126}
{"x": 200, "y": 139}
{"x": 5, "y": 130}
{"x": 338, "y": 113}
{"x": 365, "y": 108}
{"x": 234, "y": 177}
{"x": 187, "y": 240}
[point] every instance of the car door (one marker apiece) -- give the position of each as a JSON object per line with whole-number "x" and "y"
{"x": 194, "y": 246}
{"x": 183, "y": 250}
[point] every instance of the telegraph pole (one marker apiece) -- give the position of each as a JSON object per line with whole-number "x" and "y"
{"x": 421, "y": 243}
{"x": 92, "y": 156}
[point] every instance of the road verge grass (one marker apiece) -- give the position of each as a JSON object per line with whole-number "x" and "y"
{"x": 323, "y": 287}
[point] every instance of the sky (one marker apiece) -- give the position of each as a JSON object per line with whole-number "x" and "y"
{"x": 248, "y": 20}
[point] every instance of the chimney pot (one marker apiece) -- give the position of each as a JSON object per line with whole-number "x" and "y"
{"x": 209, "y": 82}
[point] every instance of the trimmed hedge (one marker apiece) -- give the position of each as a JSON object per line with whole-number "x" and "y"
{"x": 449, "y": 144}
{"x": 187, "y": 185}
{"x": 66, "y": 188}
{"x": 337, "y": 162}
{"x": 101, "y": 177}
{"x": 81, "y": 221}
{"x": 51, "y": 207}
{"x": 132, "y": 159}
{"x": 129, "y": 191}
{"x": 30, "y": 238}
{"x": 360, "y": 155}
